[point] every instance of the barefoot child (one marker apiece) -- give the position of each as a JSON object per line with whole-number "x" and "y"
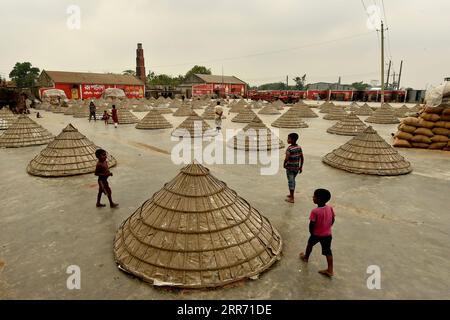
{"x": 321, "y": 220}
{"x": 105, "y": 117}
{"x": 103, "y": 173}
{"x": 293, "y": 163}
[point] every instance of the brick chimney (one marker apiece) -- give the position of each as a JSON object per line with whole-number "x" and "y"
{"x": 140, "y": 64}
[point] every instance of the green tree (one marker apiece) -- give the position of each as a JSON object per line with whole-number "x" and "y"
{"x": 129, "y": 72}
{"x": 360, "y": 85}
{"x": 197, "y": 70}
{"x": 24, "y": 74}
{"x": 300, "y": 82}
{"x": 164, "y": 79}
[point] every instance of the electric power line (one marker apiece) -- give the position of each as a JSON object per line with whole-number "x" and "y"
{"x": 269, "y": 52}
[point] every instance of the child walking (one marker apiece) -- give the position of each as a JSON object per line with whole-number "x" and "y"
{"x": 321, "y": 220}
{"x": 114, "y": 116}
{"x": 105, "y": 117}
{"x": 293, "y": 163}
{"x": 103, "y": 173}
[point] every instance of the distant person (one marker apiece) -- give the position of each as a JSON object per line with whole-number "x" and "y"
{"x": 92, "y": 110}
{"x": 218, "y": 114}
{"x": 105, "y": 117}
{"x": 114, "y": 116}
{"x": 38, "y": 115}
{"x": 321, "y": 221}
{"x": 293, "y": 163}
{"x": 103, "y": 173}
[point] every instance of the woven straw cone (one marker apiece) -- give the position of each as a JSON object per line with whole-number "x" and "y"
{"x": 198, "y": 104}
{"x": 82, "y": 112}
{"x": 69, "y": 154}
{"x": 387, "y": 105}
{"x": 255, "y": 136}
{"x": 184, "y": 111}
{"x": 24, "y": 132}
{"x": 59, "y": 109}
{"x": 290, "y": 119}
{"x": 300, "y": 103}
{"x": 210, "y": 113}
{"x": 269, "y": 110}
{"x": 303, "y": 111}
{"x": 245, "y": 116}
{"x": 125, "y": 117}
{"x": 256, "y": 105}
{"x": 195, "y": 126}
{"x": 70, "y": 110}
{"x": 154, "y": 120}
{"x": 336, "y": 113}
{"x": 238, "y": 107}
{"x": 164, "y": 110}
{"x": 326, "y": 107}
{"x": 416, "y": 108}
{"x": 401, "y": 112}
{"x": 364, "y": 110}
{"x": 368, "y": 153}
{"x": 45, "y": 106}
{"x": 7, "y": 117}
{"x": 351, "y": 125}
{"x": 383, "y": 115}
{"x": 175, "y": 104}
{"x": 352, "y": 107}
{"x": 196, "y": 232}
{"x": 143, "y": 108}
{"x": 278, "y": 104}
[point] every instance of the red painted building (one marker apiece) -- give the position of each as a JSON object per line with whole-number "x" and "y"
{"x": 88, "y": 85}
{"x": 201, "y": 84}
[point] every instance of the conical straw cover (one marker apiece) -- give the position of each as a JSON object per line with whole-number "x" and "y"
{"x": 278, "y": 104}
{"x": 254, "y": 137}
{"x": 401, "y": 112}
{"x": 209, "y": 113}
{"x": 183, "y": 111}
{"x": 164, "y": 110}
{"x": 351, "y": 125}
{"x": 196, "y": 232}
{"x": 175, "y": 104}
{"x": 7, "y": 117}
{"x": 326, "y": 107}
{"x": 290, "y": 119}
{"x": 238, "y": 107}
{"x": 82, "y": 112}
{"x": 368, "y": 153}
{"x": 244, "y": 116}
{"x": 153, "y": 120}
{"x": 125, "y": 117}
{"x": 193, "y": 126}
{"x": 364, "y": 110}
{"x": 303, "y": 111}
{"x": 269, "y": 110}
{"x": 383, "y": 115}
{"x": 69, "y": 154}
{"x": 336, "y": 113}
{"x": 24, "y": 132}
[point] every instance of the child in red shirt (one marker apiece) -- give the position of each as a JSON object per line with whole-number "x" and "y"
{"x": 103, "y": 173}
{"x": 321, "y": 220}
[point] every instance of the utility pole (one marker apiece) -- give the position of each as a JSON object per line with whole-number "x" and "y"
{"x": 393, "y": 81}
{"x": 399, "y": 75}
{"x": 287, "y": 83}
{"x": 388, "y": 74}
{"x": 382, "y": 63}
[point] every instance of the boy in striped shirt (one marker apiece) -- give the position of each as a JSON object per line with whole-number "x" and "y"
{"x": 293, "y": 163}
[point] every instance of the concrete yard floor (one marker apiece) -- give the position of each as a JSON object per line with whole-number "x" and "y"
{"x": 400, "y": 224}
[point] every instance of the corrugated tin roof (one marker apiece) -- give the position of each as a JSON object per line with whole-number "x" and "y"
{"x": 92, "y": 78}
{"x": 209, "y": 78}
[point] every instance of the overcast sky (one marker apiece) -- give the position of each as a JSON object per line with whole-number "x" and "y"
{"x": 258, "y": 41}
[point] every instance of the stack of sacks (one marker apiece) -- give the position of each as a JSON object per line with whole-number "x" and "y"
{"x": 430, "y": 130}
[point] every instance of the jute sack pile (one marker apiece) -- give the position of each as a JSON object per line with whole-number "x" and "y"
{"x": 430, "y": 130}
